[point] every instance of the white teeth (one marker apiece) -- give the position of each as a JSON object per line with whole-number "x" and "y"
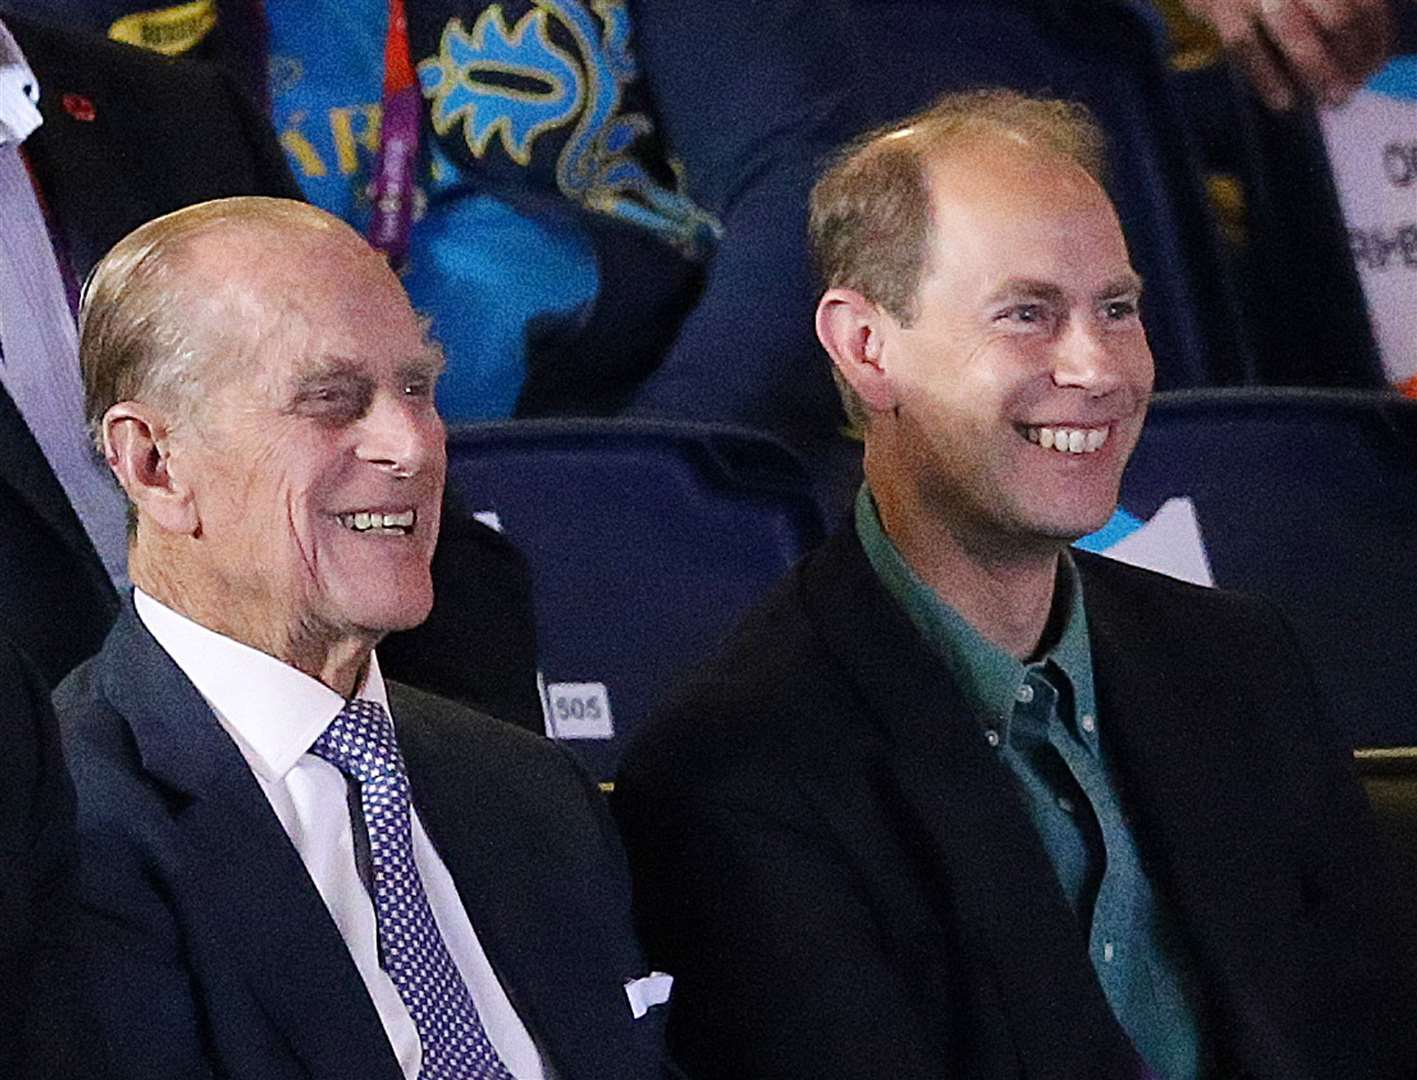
{"x": 364, "y": 521}
{"x": 1068, "y": 440}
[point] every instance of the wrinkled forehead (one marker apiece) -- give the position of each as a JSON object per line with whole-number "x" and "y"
{"x": 264, "y": 297}
{"x": 278, "y": 263}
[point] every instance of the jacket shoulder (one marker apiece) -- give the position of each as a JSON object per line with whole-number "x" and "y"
{"x": 755, "y": 699}
{"x": 512, "y": 772}
{"x": 88, "y": 723}
{"x": 1149, "y": 591}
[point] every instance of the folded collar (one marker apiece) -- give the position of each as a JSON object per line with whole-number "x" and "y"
{"x": 19, "y": 92}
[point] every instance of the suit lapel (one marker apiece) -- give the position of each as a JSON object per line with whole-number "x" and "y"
{"x": 248, "y": 888}
{"x": 1014, "y": 920}
{"x": 1186, "y": 787}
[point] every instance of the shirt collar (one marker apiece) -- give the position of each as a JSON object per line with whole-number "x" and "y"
{"x": 1073, "y": 654}
{"x": 272, "y": 711}
{"x": 988, "y": 677}
{"x": 19, "y": 92}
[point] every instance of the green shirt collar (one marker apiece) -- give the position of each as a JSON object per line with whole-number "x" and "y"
{"x": 988, "y": 677}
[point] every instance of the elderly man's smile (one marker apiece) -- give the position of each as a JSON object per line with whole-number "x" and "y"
{"x": 380, "y": 522}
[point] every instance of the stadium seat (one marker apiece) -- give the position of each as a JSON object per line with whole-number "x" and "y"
{"x": 1308, "y": 498}
{"x": 645, "y": 541}
{"x": 483, "y": 595}
{"x": 1389, "y": 776}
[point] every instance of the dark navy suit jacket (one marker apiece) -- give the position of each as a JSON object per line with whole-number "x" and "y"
{"x": 36, "y": 853}
{"x": 203, "y": 948}
{"x": 844, "y": 881}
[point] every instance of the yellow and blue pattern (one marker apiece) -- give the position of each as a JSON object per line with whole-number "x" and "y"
{"x": 508, "y": 84}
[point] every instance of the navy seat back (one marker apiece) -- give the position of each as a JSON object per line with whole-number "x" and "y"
{"x": 1308, "y": 498}
{"x": 646, "y": 540}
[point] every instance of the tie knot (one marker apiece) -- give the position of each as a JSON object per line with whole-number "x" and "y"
{"x": 360, "y": 742}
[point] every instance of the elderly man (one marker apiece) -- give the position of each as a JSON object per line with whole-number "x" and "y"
{"x": 958, "y": 803}
{"x": 289, "y": 867}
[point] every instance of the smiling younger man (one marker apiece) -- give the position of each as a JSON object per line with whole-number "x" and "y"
{"x": 289, "y": 866}
{"x": 955, "y": 801}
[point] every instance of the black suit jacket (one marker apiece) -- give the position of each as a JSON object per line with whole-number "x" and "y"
{"x": 36, "y": 847}
{"x": 840, "y": 874}
{"x": 204, "y": 948}
{"x": 163, "y": 134}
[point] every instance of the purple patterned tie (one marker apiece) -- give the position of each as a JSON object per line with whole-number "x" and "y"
{"x": 360, "y": 743}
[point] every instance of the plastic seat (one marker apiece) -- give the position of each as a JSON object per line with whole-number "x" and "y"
{"x": 645, "y": 540}
{"x": 1307, "y": 498}
{"x": 1389, "y": 778}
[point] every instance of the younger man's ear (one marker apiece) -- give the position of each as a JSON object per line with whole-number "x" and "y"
{"x": 137, "y": 447}
{"x": 852, "y": 330}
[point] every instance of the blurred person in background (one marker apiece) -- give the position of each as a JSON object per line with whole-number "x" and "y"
{"x": 95, "y": 138}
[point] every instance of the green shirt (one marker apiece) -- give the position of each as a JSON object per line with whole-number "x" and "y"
{"x": 1042, "y": 717}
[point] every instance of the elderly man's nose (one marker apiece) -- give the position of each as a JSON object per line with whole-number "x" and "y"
{"x": 400, "y": 435}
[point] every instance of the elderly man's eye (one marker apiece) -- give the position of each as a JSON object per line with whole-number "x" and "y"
{"x": 326, "y": 395}
{"x": 1118, "y": 310}
{"x": 336, "y": 400}
{"x": 1024, "y": 314}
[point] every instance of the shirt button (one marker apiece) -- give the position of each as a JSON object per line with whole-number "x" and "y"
{"x": 991, "y": 737}
{"x": 1024, "y": 694}
{"x": 1065, "y": 804}
{"x": 1089, "y": 722}
{"x": 1108, "y": 952}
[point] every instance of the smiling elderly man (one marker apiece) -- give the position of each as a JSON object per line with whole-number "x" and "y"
{"x": 955, "y": 802}
{"x": 289, "y": 867}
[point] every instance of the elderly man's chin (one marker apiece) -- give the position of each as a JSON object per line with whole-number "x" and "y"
{"x": 371, "y": 611}
{"x": 374, "y": 596}
{"x": 375, "y": 582}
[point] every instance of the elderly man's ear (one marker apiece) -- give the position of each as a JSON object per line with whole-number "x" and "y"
{"x": 853, "y": 331}
{"x": 137, "y": 446}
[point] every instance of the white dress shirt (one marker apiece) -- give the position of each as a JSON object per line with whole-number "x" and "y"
{"x": 274, "y": 713}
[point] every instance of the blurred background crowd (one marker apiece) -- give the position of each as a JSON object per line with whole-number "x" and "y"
{"x": 608, "y": 197}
